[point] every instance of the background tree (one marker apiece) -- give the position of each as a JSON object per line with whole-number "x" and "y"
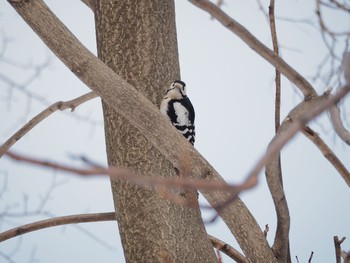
{"x": 77, "y": 67}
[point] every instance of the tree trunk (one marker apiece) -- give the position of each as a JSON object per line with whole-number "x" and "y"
{"x": 137, "y": 39}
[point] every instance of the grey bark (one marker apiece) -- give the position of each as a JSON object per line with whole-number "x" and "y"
{"x": 137, "y": 39}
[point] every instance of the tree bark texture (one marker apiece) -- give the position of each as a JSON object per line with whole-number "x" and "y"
{"x": 137, "y": 39}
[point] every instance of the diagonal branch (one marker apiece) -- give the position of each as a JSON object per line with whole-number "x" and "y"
{"x": 227, "y": 249}
{"x": 328, "y": 153}
{"x": 232, "y": 25}
{"x": 60, "y": 105}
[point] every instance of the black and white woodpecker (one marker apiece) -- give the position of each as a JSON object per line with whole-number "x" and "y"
{"x": 178, "y": 107}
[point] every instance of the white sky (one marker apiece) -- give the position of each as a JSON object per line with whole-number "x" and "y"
{"x": 232, "y": 90}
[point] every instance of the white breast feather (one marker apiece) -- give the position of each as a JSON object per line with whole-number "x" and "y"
{"x": 182, "y": 114}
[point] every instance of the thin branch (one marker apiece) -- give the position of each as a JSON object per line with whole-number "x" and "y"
{"x": 311, "y": 255}
{"x": 328, "y": 153}
{"x": 227, "y": 249}
{"x": 60, "y": 105}
{"x": 58, "y": 221}
{"x": 274, "y": 172}
{"x": 323, "y": 24}
{"x": 277, "y": 73}
{"x": 340, "y": 5}
{"x": 337, "y": 245}
{"x": 266, "y": 230}
{"x": 290, "y": 73}
{"x": 334, "y": 111}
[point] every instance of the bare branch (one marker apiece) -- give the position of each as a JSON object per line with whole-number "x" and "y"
{"x": 71, "y": 104}
{"x": 323, "y": 24}
{"x": 311, "y": 255}
{"x": 328, "y": 153}
{"x": 274, "y": 173}
{"x": 290, "y": 73}
{"x": 277, "y": 73}
{"x": 340, "y": 5}
{"x": 346, "y": 66}
{"x": 274, "y": 179}
{"x": 227, "y": 249}
{"x": 58, "y": 221}
{"x": 337, "y": 245}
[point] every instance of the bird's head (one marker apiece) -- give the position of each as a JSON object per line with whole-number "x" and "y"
{"x": 177, "y": 90}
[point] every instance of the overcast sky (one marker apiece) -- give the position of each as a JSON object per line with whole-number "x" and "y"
{"x": 232, "y": 90}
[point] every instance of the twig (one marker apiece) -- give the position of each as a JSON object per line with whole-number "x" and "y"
{"x": 266, "y": 230}
{"x": 337, "y": 246}
{"x": 227, "y": 249}
{"x": 311, "y": 255}
{"x": 71, "y": 104}
{"x": 328, "y": 153}
{"x": 58, "y": 221}
{"x": 322, "y": 23}
{"x": 290, "y": 73}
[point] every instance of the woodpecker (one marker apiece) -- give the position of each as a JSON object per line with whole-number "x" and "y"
{"x": 178, "y": 108}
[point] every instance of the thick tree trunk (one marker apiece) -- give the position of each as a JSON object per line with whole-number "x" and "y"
{"x": 137, "y": 39}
